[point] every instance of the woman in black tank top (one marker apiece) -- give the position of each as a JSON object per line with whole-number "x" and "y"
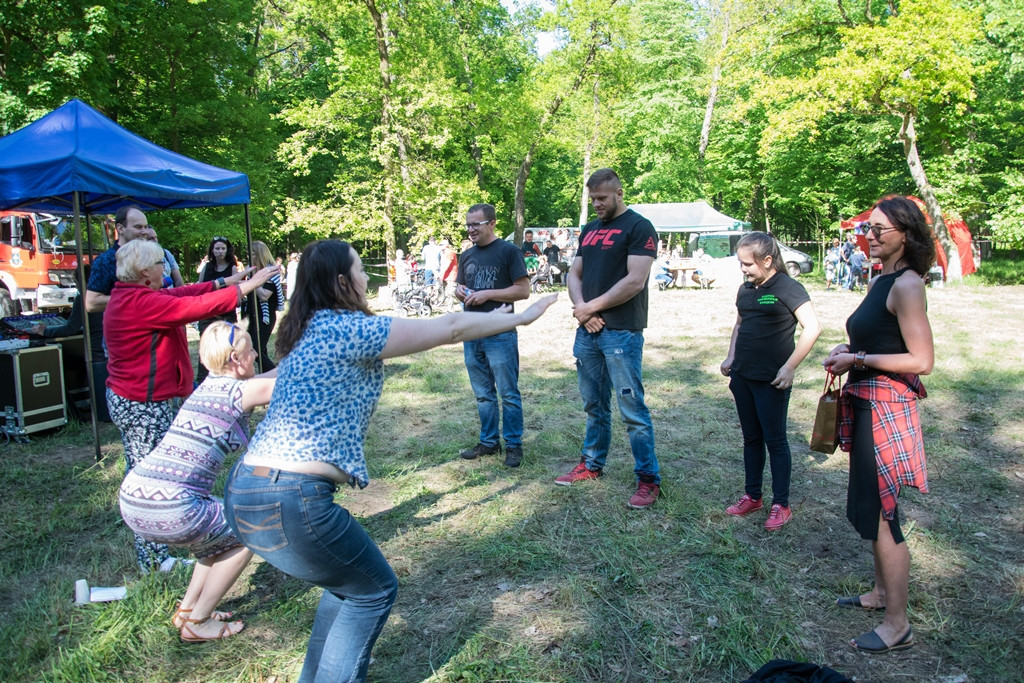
{"x": 890, "y": 345}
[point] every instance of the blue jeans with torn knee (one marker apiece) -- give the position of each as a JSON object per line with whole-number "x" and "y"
{"x": 292, "y": 522}
{"x": 612, "y": 360}
{"x": 493, "y": 367}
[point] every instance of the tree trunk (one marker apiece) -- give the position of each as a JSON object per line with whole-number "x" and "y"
{"x": 542, "y": 130}
{"x": 399, "y": 157}
{"x": 909, "y": 137}
{"x": 520, "y": 202}
{"x": 588, "y": 152}
{"x": 716, "y": 76}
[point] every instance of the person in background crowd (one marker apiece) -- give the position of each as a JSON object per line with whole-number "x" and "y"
{"x": 263, "y": 305}
{"x": 220, "y": 263}
{"x": 530, "y": 248}
{"x": 544, "y": 275}
{"x": 608, "y": 287}
{"x": 166, "y": 498}
{"x": 832, "y": 259}
{"x": 130, "y": 224}
{"x": 879, "y": 426}
{"x": 761, "y": 364}
{"x": 290, "y": 273}
{"x": 554, "y": 256}
{"x": 148, "y": 363}
{"x": 280, "y": 498}
{"x": 849, "y": 247}
{"x": 431, "y": 255}
{"x": 403, "y": 271}
{"x": 857, "y": 260}
{"x": 449, "y": 264}
{"x": 172, "y": 274}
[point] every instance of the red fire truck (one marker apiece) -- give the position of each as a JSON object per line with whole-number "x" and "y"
{"x": 37, "y": 262}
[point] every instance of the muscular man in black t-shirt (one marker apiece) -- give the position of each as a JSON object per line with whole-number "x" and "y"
{"x": 608, "y": 287}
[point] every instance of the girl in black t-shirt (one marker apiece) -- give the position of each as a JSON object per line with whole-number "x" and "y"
{"x": 762, "y": 360}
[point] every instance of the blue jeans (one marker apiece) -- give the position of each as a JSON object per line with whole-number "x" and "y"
{"x": 763, "y": 411}
{"x": 607, "y": 360}
{"x": 292, "y": 522}
{"x": 493, "y": 366}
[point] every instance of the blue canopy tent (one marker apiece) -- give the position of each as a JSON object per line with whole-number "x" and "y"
{"x": 76, "y": 161}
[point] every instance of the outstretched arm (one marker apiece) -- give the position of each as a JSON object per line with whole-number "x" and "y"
{"x": 411, "y": 336}
{"x": 257, "y": 391}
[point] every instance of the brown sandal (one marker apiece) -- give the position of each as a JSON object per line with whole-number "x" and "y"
{"x": 190, "y": 636}
{"x": 181, "y": 615}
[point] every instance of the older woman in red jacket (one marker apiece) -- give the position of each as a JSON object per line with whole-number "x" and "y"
{"x": 149, "y": 365}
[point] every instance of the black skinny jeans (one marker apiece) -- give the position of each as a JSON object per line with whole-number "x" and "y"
{"x": 763, "y": 411}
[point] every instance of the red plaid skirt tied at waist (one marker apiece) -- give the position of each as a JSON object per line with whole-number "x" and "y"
{"x": 895, "y": 430}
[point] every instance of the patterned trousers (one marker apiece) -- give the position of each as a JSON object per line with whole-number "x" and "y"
{"x": 142, "y": 427}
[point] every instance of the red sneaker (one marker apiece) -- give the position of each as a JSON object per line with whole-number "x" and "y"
{"x": 777, "y": 517}
{"x": 646, "y": 494}
{"x": 744, "y": 506}
{"x": 578, "y": 473}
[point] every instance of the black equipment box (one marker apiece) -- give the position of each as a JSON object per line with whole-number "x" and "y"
{"x": 31, "y": 390}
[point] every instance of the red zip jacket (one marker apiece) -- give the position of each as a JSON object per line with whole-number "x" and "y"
{"x": 147, "y": 350}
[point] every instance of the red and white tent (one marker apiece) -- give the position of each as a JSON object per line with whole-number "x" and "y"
{"x": 958, "y": 231}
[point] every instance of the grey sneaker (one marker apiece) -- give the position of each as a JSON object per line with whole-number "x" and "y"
{"x": 478, "y": 450}
{"x": 513, "y": 456}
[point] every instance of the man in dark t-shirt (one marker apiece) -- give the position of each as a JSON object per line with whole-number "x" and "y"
{"x": 554, "y": 257}
{"x": 608, "y": 287}
{"x": 492, "y": 273}
{"x": 530, "y": 248}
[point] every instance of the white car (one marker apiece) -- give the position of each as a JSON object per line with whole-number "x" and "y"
{"x": 723, "y": 245}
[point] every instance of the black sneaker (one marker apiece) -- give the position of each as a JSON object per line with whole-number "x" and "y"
{"x": 478, "y": 450}
{"x": 513, "y": 456}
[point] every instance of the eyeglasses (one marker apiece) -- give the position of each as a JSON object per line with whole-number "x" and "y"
{"x": 877, "y": 230}
{"x": 476, "y": 225}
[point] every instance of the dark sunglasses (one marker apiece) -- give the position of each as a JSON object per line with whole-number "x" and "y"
{"x": 877, "y": 230}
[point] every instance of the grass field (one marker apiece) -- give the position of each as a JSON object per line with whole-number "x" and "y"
{"x": 506, "y": 577}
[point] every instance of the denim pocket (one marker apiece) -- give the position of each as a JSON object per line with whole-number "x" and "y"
{"x": 260, "y": 526}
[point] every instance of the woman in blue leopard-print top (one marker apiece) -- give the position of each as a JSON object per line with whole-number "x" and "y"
{"x": 280, "y": 497}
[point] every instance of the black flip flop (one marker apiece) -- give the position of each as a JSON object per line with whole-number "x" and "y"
{"x": 855, "y": 603}
{"x": 872, "y": 643}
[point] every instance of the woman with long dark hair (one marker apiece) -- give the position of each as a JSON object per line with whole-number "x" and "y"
{"x": 221, "y": 262}
{"x": 280, "y": 497}
{"x": 890, "y": 346}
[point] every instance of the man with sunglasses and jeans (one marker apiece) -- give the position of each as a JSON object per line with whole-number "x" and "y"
{"x": 492, "y": 273}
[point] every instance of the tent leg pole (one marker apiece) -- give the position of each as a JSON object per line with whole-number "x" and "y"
{"x": 252, "y": 297}
{"x": 87, "y": 334}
